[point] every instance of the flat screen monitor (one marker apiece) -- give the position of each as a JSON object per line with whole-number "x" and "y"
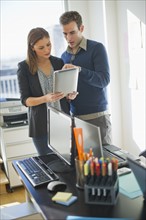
{"x": 91, "y": 137}
{"x": 60, "y": 140}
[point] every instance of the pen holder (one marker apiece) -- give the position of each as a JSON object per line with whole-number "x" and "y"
{"x": 102, "y": 190}
{"x": 79, "y": 165}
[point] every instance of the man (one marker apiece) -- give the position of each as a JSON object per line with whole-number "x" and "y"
{"x": 90, "y": 56}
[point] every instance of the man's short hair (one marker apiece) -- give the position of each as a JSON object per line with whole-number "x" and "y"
{"x": 70, "y": 16}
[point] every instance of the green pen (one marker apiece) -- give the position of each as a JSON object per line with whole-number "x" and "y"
{"x": 86, "y": 172}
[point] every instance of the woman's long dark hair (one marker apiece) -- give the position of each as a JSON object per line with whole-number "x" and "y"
{"x": 34, "y": 35}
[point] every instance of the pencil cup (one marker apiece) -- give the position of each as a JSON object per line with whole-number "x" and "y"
{"x": 79, "y": 164}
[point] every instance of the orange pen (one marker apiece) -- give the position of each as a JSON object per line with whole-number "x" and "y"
{"x": 90, "y": 152}
{"x": 85, "y": 156}
{"x": 103, "y": 169}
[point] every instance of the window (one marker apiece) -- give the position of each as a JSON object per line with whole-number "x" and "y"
{"x": 136, "y": 36}
{"x": 17, "y": 19}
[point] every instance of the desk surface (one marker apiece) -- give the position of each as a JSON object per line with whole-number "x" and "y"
{"x": 125, "y": 207}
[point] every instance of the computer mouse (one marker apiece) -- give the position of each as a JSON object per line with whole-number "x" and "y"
{"x": 56, "y": 185}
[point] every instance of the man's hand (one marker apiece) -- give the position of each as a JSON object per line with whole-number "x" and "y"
{"x": 69, "y": 65}
{"x": 72, "y": 96}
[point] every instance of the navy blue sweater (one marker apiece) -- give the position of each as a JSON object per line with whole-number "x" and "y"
{"x": 93, "y": 79}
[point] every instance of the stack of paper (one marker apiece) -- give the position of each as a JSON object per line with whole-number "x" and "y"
{"x": 64, "y": 198}
{"x": 131, "y": 190}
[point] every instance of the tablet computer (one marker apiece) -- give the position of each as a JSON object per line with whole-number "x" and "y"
{"x": 66, "y": 80}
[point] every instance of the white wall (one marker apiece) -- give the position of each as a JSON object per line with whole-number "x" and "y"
{"x": 114, "y": 60}
{"x": 106, "y": 21}
{"x": 138, "y": 9}
{"x": 81, "y": 7}
{"x": 93, "y": 19}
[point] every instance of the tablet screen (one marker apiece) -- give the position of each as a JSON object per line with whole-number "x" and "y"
{"x": 66, "y": 80}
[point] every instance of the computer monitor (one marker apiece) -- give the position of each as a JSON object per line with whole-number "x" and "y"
{"x": 91, "y": 137}
{"x": 60, "y": 141}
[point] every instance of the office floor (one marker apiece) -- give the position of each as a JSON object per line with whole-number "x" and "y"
{"x": 18, "y": 195}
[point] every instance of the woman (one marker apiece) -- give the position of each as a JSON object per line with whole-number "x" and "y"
{"x": 35, "y": 78}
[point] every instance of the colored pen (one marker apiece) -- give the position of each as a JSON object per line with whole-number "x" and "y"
{"x": 103, "y": 168}
{"x": 97, "y": 169}
{"x": 85, "y": 156}
{"x": 91, "y": 152}
{"x": 92, "y": 176}
{"x": 97, "y": 172}
{"x": 104, "y": 177}
{"x": 110, "y": 172}
{"x": 115, "y": 168}
{"x": 86, "y": 171}
{"x": 92, "y": 169}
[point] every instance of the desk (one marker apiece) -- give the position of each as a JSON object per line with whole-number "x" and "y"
{"x": 41, "y": 197}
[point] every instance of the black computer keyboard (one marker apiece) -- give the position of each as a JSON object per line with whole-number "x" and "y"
{"x": 108, "y": 154}
{"x": 36, "y": 172}
{"x": 118, "y": 153}
{"x": 122, "y": 162}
